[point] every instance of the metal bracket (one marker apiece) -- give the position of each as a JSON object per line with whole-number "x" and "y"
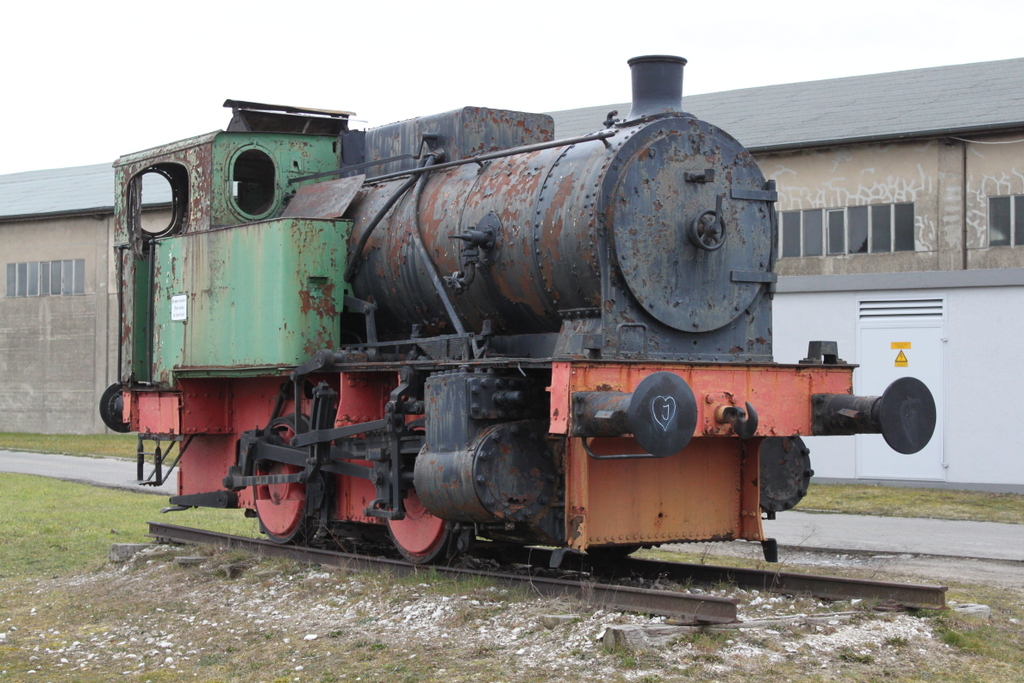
{"x": 753, "y": 276}
{"x": 754, "y": 195}
{"x": 158, "y": 476}
{"x": 368, "y": 310}
{"x": 743, "y": 423}
{"x": 708, "y": 176}
{"x": 617, "y": 456}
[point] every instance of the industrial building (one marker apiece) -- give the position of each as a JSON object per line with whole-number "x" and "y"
{"x": 901, "y": 208}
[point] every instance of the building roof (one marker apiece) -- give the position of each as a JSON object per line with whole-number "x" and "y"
{"x": 945, "y": 100}
{"x": 58, "y": 190}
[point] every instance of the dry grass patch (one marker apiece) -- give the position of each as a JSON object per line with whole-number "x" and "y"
{"x": 891, "y": 501}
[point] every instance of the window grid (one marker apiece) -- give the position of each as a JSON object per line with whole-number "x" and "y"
{"x": 1006, "y": 221}
{"x": 875, "y": 229}
{"x": 46, "y": 278}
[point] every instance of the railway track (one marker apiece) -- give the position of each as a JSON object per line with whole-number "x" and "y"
{"x": 687, "y": 608}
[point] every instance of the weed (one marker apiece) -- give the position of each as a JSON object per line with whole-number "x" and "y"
{"x": 703, "y": 640}
{"x": 848, "y": 654}
{"x": 708, "y": 657}
{"x": 625, "y": 658}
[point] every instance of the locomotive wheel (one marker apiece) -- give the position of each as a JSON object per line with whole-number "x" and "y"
{"x": 281, "y": 508}
{"x": 420, "y": 537}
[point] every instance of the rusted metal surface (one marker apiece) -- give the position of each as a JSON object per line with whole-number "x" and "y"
{"x": 556, "y": 209}
{"x": 908, "y": 595}
{"x": 710, "y": 489}
{"x": 209, "y": 184}
{"x": 699, "y": 493}
{"x": 361, "y": 398}
{"x": 696, "y": 609}
{"x": 459, "y": 134}
{"x": 232, "y": 315}
{"x": 327, "y": 199}
{"x": 687, "y": 288}
{"x": 781, "y": 393}
{"x": 157, "y": 412}
{"x": 517, "y": 289}
{"x": 913, "y": 596}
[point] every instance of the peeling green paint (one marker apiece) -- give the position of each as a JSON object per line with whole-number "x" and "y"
{"x": 262, "y": 294}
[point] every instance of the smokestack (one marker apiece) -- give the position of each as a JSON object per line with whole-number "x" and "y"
{"x": 657, "y": 85}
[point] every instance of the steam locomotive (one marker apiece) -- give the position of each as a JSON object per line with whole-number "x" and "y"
{"x": 456, "y": 328}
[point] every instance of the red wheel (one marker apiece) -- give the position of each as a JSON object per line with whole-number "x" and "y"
{"x": 281, "y": 508}
{"x": 420, "y": 537}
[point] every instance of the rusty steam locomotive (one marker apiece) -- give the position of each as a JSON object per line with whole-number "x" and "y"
{"x": 457, "y": 328}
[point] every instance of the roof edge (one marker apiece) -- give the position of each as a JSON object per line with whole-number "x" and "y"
{"x": 888, "y": 137}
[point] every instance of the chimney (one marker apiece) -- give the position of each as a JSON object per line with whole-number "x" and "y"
{"x": 657, "y": 85}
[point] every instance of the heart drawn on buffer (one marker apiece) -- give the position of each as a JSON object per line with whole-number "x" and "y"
{"x": 664, "y": 410}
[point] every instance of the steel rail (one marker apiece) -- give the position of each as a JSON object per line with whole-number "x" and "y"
{"x": 685, "y": 607}
{"x": 908, "y": 595}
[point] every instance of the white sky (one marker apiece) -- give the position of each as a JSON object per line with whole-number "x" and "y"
{"x": 84, "y": 83}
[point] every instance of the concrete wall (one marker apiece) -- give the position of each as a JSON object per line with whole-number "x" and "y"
{"x": 995, "y": 167}
{"x": 929, "y": 173}
{"x": 982, "y": 373}
{"x": 57, "y": 352}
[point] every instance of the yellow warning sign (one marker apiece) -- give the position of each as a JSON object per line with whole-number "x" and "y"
{"x": 900, "y": 345}
{"x": 901, "y": 360}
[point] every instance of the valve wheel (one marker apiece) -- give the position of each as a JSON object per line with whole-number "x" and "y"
{"x": 707, "y": 231}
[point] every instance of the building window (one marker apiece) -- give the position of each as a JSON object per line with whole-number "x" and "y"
{"x": 46, "y": 278}
{"x": 1006, "y": 221}
{"x": 875, "y": 229}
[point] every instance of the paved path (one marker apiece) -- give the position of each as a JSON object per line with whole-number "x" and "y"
{"x": 796, "y": 529}
{"x": 112, "y": 472}
{"x": 987, "y": 540}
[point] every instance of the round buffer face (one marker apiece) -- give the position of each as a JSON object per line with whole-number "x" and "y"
{"x": 907, "y": 415}
{"x": 662, "y": 414}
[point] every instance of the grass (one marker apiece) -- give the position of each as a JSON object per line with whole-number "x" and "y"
{"x": 230, "y": 629}
{"x": 50, "y": 527}
{"x": 891, "y": 501}
{"x": 110, "y": 445}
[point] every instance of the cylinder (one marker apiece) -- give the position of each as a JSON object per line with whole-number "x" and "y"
{"x": 506, "y": 473}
